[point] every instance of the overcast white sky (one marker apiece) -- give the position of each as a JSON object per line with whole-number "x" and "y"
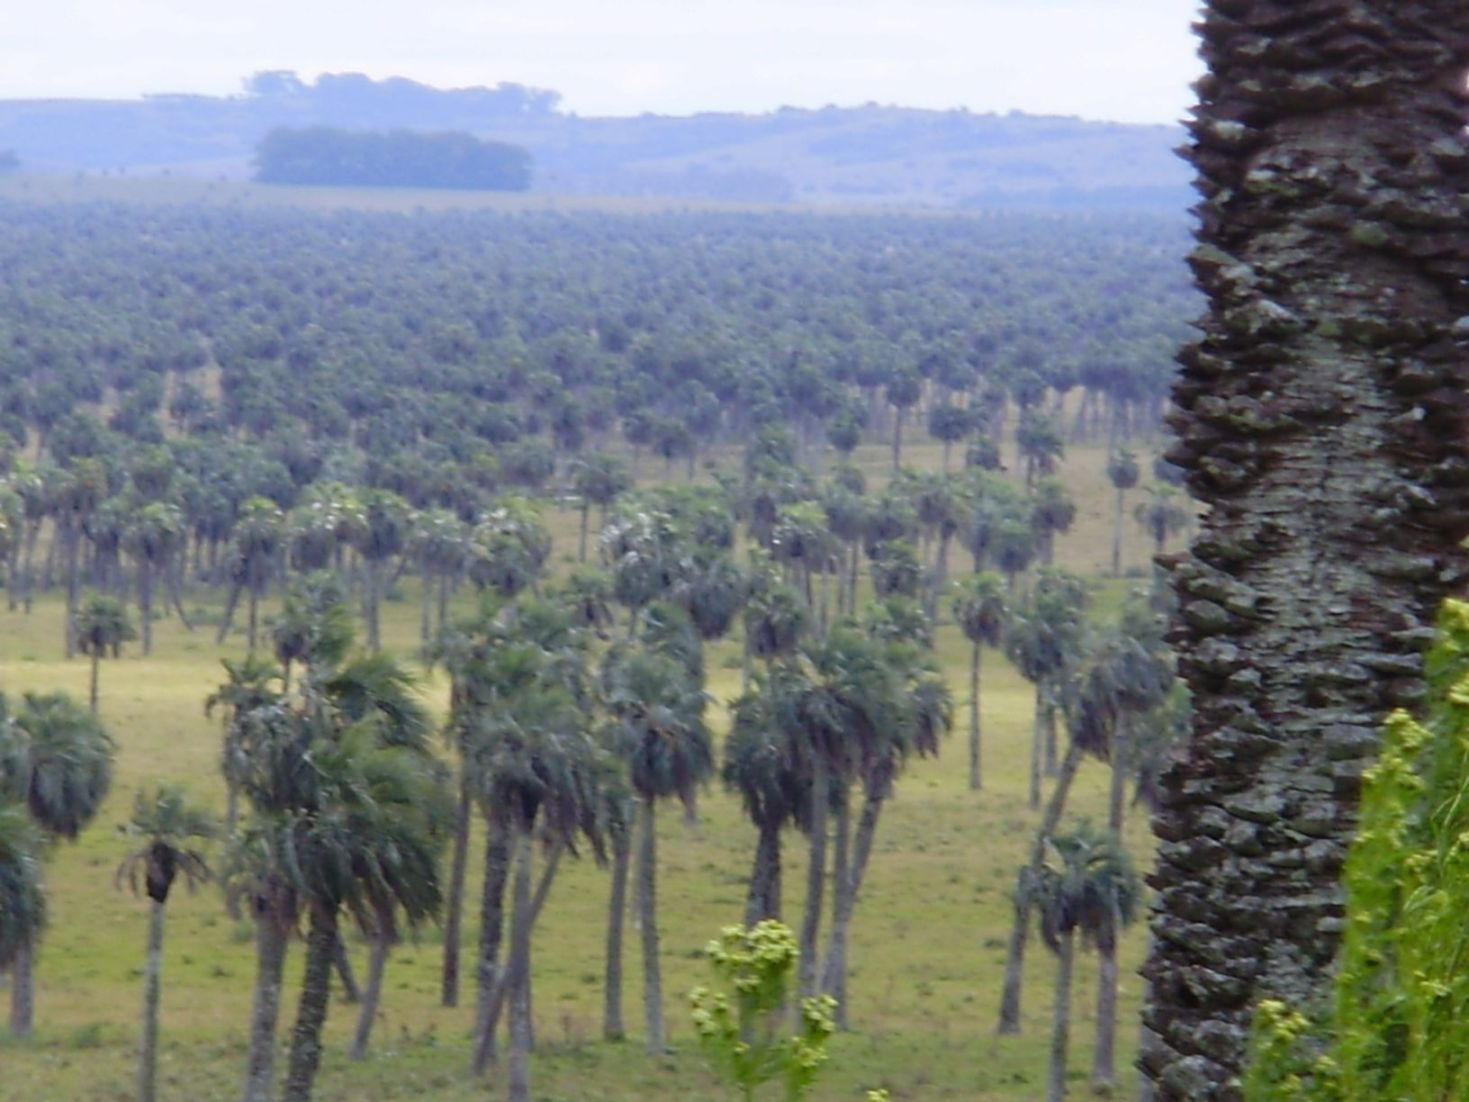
{"x": 1130, "y": 60}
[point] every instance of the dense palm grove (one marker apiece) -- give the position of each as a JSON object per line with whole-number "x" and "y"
{"x": 288, "y": 419}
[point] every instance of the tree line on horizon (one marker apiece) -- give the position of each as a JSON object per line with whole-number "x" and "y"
{"x": 330, "y": 156}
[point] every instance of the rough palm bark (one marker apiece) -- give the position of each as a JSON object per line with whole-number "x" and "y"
{"x": 1321, "y": 420}
{"x": 976, "y": 774}
{"x": 1104, "y": 1051}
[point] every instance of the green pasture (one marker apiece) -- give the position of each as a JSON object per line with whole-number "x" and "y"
{"x": 928, "y": 942}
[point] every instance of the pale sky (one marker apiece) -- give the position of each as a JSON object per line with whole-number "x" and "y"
{"x": 1129, "y": 60}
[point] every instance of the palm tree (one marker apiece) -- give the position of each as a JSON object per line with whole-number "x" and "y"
{"x": 56, "y": 760}
{"x": 1089, "y": 886}
{"x": 1041, "y": 639}
{"x": 658, "y": 727}
{"x": 598, "y": 480}
{"x": 385, "y": 531}
{"x": 981, "y": 612}
{"x": 153, "y": 537}
{"x": 101, "y": 629}
{"x": 439, "y": 543}
{"x": 75, "y": 496}
{"x": 1122, "y": 472}
{"x": 254, "y": 548}
{"x": 759, "y": 766}
{"x": 1039, "y": 443}
{"x": 1052, "y": 512}
{"x": 903, "y": 391}
{"x": 170, "y": 828}
{"x": 1161, "y": 516}
{"x": 904, "y": 709}
{"x": 314, "y": 626}
{"x": 537, "y": 764}
{"x": 246, "y": 688}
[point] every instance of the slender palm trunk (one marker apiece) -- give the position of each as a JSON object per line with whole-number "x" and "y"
{"x": 1104, "y": 1052}
{"x": 1117, "y": 536}
{"x": 815, "y": 879}
{"x": 271, "y": 940}
{"x": 518, "y": 1058}
{"x": 371, "y": 599}
{"x": 342, "y": 963}
{"x": 1117, "y": 787}
{"x": 23, "y": 991}
{"x": 425, "y": 604}
{"x": 92, "y": 683}
{"x": 1037, "y": 740}
{"x": 226, "y": 621}
{"x": 833, "y": 978}
{"x": 454, "y": 907}
{"x": 316, "y": 993}
{"x": 898, "y": 436}
{"x": 763, "y": 899}
{"x": 1061, "y": 1018}
{"x": 976, "y": 775}
{"x": 145, "y": 604}
{"x": 253, "y": 630}
{"x": 647, "y": 902}
{"x": 1048, "y": 720}
{"x": 581, "y": 542}
{"x": 1020, "y": 931}
{"x": 491, "y": 930}
{"x": 371, "y": 994}
{"x": 152, "y": 975}
{"x": 73, "y": 538}
{"x": 612, "y": 1027}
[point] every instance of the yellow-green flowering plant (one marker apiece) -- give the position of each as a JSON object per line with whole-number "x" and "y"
{"x": 741, "y": 1022}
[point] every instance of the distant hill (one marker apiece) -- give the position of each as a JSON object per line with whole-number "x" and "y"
{"x": 893, "y": 156}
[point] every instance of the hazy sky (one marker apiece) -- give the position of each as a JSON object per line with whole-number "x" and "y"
{"x": 1119, "y": 59}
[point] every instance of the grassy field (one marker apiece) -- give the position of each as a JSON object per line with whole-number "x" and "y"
{"x": 928, "y": 941}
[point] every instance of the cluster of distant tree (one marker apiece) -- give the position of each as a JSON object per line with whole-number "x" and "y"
{"x": 397, "y": 158}
{"x": 396, "y": 99}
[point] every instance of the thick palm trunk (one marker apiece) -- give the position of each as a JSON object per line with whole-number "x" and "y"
{"x": 1104, "y": 1070}
{"x": 271, "y": 939}
{"x": 372, "y": 994}
{"x": 1020, "y": 931}
{"x": 763, "y": 899}
{"x": 1121, "y": 756}
{"x": 612, "y": 1027}
{"x": 23, "y": 991}
{"x": 815, "y": 880}
{"x": 152, "y": 977}
{"x": 454, "y": 905}
{"x": 647, "y": 903}
{"x": 976, "y": 773}
{"x": 1322, "y": 423}
{"x": 491, "y": 929}
{"x": 1061, "y": 1018}
{"x": 316, "y": 993}
{"x": 518, "y": 1058}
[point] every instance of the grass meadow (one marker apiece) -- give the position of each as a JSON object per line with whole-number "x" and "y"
{"x": 928, "y": 938}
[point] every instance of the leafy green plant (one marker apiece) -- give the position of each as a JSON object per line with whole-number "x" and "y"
{"x": 741, "y": 1024}
{"x": 1398, "y": 1025}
